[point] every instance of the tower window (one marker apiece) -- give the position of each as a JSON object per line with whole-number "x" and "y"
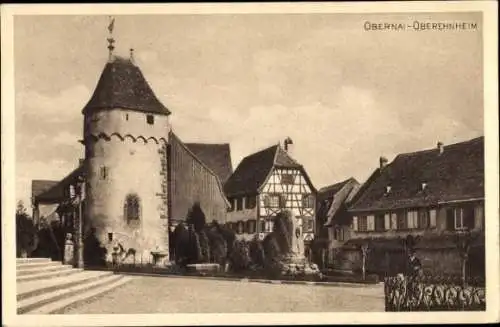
{"x": 132, "y": 207}
{"x": 126, "y": 116}
{"x": 150, "y": 119}
{"x": 104, "y": 172}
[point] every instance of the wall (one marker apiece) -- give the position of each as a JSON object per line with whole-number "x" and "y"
{"x": 191, "y": 182}
{"x": 440, "y": 225}
{"x": 132, "y": 152}
{"x": 244, "y": 214}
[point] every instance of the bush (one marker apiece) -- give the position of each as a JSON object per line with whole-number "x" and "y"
{"x": 240, "y": 256}
{"x": 26, "y": 234}
{"x": 257, "y": 254}
{"x": 218, "y": 246}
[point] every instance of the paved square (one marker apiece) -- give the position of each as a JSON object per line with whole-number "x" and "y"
{"x": 188, "y": 295}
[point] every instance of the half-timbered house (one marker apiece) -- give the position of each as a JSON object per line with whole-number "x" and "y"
{"x": 265, "y": 183}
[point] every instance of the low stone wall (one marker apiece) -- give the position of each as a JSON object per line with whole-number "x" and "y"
{"x": 387, "y": 261}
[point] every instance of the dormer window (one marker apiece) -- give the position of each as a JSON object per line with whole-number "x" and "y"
{"x": 388, "y": 189}
{"x": 424, "y": 186}
{"x": 150, "y": 119}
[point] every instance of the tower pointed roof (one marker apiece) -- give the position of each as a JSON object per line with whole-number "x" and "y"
{"x": 122, "y": 85}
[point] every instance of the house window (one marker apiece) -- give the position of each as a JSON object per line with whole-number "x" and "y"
{"x": 412, "y": 217}
{"x": 269, "y": 226}
{"x": 339, "y": 234}
{"x": 423, "y": 218}
{"x": 239, "y": 204}
{"x": 240, "y": 227}
{"x": 307, "y": 225}
{"x": 250, "y": 202}
{"x": 103, "y": 173}
{"x": 308, "y": 201}
{"x": 132, "y": 207}
{"x": 274, "y": 201}
{"x": 150, "y": 119}
{"x": 250, "y": 226}
{"x": 287, "y": 179}
{"x": 262, "y": 226}
{"x": 362, "y": 223}
{"x": 231, "y": 203}
{"x": 460, "y": 218}
{"x": 401, "y": 220}
{"x": 379, "y": 223}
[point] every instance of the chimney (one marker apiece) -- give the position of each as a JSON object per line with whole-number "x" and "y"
{"x": 288, "y": 145}
{"x": 440, "y": 147}
{"x": 383, "y": 162}
{"x": 132, "y": 60}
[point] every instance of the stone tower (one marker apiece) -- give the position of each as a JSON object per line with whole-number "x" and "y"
{"x": 125, "y": 138}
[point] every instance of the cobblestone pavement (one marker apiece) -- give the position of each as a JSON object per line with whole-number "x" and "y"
{"x": 186, "y": 295}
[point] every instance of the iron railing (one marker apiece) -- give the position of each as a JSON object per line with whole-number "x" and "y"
{"x": 431, "y": 293}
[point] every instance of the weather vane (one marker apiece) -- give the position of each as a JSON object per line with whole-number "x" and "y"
{"x": 111, "y": 40}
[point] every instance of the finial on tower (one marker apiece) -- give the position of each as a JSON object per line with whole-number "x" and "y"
{"x": 132, "y": 55}
{"x": 111, "y": 40}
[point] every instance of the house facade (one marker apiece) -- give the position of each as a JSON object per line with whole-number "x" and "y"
{"x": 265, "y": 183}
{"x": 332, "y": 218}
{"x": 435, "y": 195}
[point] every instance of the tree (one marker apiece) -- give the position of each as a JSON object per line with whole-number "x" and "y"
{"x": 26, "y": 234}
{"x": 196, "y": 217}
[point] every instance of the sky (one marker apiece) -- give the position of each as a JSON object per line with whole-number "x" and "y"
{"x": 345, "y": 95}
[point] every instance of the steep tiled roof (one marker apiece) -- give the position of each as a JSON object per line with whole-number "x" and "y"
{"x": 39, "y": 186}
{"x": 253, "y": 170}
{"x": 55, "y": 194}
{"x": 333, "y": 199}
{"x": 122, "y": 85}
{"x": 330, "y": 190}
{"x": 216, "y": 156}
{"x": 456, "y": 174}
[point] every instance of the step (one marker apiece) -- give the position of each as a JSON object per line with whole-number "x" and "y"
{"x": 59, "y": 305}
{"x": 32, "y": 288}
{"x": 64, "y": 271}
{"x": 37, "y": 301}
{"x": 32, "y": 271}
{"x": 23, "y": 260}
{"x": 35, "y": 265}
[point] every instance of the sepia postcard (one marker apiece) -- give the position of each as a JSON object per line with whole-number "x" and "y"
{"x": 250, "y": 163}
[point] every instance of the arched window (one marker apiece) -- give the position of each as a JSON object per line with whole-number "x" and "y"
{"x": 132, "y": 207}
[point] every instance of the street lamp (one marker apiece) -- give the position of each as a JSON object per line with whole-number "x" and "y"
{"x": 79, "y": 222}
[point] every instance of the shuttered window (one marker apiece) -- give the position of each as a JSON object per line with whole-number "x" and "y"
{"x": 402, "y": 220}
{"x": 239, "y": 204}
{"x": 370, "y": 223}
{"x": 362, "y": 223}
{"x": 423, "y": 218}
{"x": 394, "y": 221}
{"x": 387, "y": 221}
{"x": 412, "y": 217}
{"x": 432, "y": 218}
{"x": 379, "y": 223}
{"x": 355, "y": 223}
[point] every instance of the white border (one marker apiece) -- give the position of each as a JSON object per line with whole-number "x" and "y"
{"x": 490, "y": 28}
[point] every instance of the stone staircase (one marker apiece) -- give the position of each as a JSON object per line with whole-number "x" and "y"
{"x": 45, "y": 286}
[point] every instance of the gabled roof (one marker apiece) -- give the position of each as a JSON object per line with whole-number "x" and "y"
{"x": 175, "y": 138}
{"x": 457, "y": 174}
{"x": 56, "y": 194}
{"x": 332, "y": 198}
{"x": 38, "y": 186}
{"x": 122, "y": 85}
{"x": 253, "y": 170}
{"x": 330, "y": 190}
{"x": 216, "y": 156}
